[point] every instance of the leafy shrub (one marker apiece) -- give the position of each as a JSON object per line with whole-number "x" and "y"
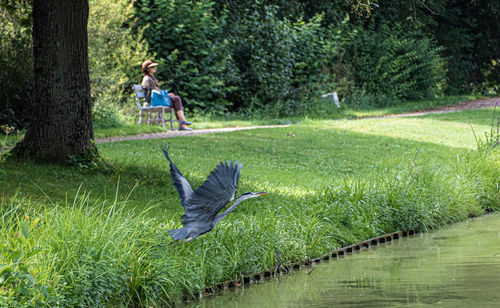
{"x": 314, "y": 50}
{"x": 469, "y": 32}
{"x": 262, "y": 55}
{"x": 115, "y": 55}
{"x": 242, "y": 56}
{"x": 281, "y": 64}
{"x": 22, "y": 283}
{"x": 391, "y": 63}
{"x": 16, "y": 62}
{"x": 191, "y": 47}
{"x": 105, "y": 112}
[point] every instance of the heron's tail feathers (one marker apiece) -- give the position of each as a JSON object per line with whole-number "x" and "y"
{"x": 179, "y": 234}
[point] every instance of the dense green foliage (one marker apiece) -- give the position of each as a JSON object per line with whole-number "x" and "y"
{"x": 237, "y": 58}
{"x": 280, "y": 64}
{"x": 191, "y": 46}
{"x": 279, "y": 55}
{"x": 468, "y": 30}
{"x": 16, "y": 62}
{"x": 273, "y": 56}
{"x": 115, "y": 55}
{"x": 392, "y": 64}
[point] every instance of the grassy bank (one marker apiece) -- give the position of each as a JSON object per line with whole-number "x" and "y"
{"x": 101, "y": 236}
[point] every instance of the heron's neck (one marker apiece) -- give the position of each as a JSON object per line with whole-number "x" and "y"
{"x": 229, "y": 210}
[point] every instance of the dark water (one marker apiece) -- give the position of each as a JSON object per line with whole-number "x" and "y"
{"x": 455, "y": 267}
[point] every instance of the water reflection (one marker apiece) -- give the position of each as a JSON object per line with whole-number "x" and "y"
{"x": 455, "y": 267}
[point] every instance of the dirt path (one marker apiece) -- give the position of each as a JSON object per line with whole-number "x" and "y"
{"x": 467, "y": 105}
{"x": 179, "y": 133}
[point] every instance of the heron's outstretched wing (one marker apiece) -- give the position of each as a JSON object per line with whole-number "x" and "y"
{"x": 218, "y": 190}
{"x": 181, "y": 184}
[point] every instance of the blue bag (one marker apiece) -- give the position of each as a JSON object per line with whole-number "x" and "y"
{"x": 160, "y": 98}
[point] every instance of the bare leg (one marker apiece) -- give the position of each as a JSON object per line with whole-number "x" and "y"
{"x": 180, "y": 116}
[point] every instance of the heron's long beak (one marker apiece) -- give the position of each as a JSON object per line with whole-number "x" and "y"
{"x": 262, "y": 193}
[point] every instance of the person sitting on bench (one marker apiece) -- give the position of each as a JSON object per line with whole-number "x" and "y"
{"x": 151, "y": 87}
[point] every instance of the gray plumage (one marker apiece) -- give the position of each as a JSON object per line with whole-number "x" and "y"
{"x": 203, "y": 205}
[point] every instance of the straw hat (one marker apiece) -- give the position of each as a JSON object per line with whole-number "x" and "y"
{"x": 147, "y": 64}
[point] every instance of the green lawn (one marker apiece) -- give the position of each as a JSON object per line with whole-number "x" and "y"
{"x": 303, "y": 157}
{"x": 413, "y": 106}
{"x": 239, "y": 120}
{"x": 468, "y": 117}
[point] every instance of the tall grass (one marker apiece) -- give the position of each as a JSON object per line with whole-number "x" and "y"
{"x": 89, "y": 253}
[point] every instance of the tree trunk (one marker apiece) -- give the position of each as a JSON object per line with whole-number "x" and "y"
{"x": 62, "y": 122}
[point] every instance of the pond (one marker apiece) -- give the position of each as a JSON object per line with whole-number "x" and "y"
{"x": 458, "y": 266}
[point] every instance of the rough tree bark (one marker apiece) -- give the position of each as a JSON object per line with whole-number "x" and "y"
{"x": 62, "y": 121}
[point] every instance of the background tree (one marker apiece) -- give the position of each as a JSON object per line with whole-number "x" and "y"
{"x": 62, "y": 122}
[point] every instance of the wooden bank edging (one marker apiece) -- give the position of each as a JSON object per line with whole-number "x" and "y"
{"x": 269, "y": 273}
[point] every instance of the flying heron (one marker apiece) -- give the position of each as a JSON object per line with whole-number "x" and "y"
{"x": 203, "y": 205}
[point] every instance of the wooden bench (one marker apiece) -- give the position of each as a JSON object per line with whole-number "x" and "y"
{"x": 154, "y": 114}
